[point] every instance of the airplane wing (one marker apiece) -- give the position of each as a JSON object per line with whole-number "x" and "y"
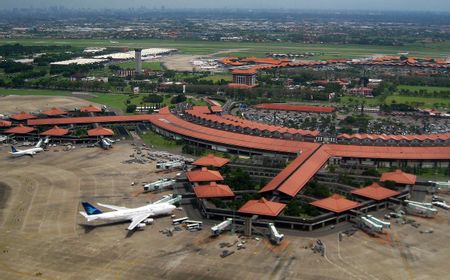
{"x": 137, "y": 220}
{"x": 113, "y": 207}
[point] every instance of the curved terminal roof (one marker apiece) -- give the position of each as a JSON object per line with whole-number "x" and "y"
{"x": 201, "y": 112}
{"x": 385, "y": 137}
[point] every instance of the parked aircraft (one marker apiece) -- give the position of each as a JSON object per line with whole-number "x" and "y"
{"x": 28, "y": 152}
{"x": 139, "y": 217}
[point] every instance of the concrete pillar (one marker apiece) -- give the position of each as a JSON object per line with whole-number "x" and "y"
{"x": 248, "y": 226}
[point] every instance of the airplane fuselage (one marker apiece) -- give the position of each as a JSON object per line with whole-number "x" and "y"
{"x": 28, "y": 152}
{"x": 128, "y": 214}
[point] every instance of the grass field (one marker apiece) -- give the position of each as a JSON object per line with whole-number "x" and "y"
{"x": 428, "y": 102}
{"x": 114, "y": 100}
{"x": 152, "y": 139}
{"x": 119, "y": 100}
{"x": 349, "y": 100}
{"x": 425, "y": 88}
{"x": 201, "y": 47}
{"x": 153, "y": 65}
{"x": 7, "y": 91}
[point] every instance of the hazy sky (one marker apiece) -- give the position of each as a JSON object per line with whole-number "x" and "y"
{"x": 410, "y": 5}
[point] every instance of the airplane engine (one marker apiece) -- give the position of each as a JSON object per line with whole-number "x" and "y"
{"x": 148, "y": 221}
{"x": 141, "y": 226}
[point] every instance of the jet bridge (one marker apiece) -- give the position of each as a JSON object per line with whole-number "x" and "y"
{"x": 379, "y": 221}
{"x": 421, "y": 209}
{"x": 275, "y": 236}
{"x": 170, "y": 198}
{"x": 218, "y": 229}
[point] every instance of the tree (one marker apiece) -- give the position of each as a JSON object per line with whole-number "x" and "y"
{"x": 178, "y": 99}
{"x": 292, "y": 208}
{"x": 131, "y": 108}
{"x": 389, "y": 184}
{"x": 153, "y": 98}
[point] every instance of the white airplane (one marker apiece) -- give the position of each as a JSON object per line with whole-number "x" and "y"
{"x": 28, "y": 152}
{"x": 139, "y": 217}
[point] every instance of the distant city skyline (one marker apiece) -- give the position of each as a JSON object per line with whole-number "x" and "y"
{"x": 383, "y": 5}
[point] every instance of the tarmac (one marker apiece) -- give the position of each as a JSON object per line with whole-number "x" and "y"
{"x": 44, "y": 237}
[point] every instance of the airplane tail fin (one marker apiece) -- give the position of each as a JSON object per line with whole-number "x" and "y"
{"x": 13, "y": 149}
{"x": 39, "y": 143}
{"x": 90, "y": 209}
{"x": 88, "y": 218}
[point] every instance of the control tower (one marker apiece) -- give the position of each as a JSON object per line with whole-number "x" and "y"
{"x": 137, "y": 57}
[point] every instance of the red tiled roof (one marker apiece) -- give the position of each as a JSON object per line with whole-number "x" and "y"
{"x": 233, "y": 61}
{"x": 20, "y": 129}
{"x": 240, "y": 86}
{"x": 399, "y": 177}
{"x": 54, "y": 112}
{"x": 302, "y": 175}
{"x": 292, "y": 180}
{"x": 386, "y": 152}
{"x": 179, "y": 126}
{"x": 212, "y": 102}
{"x": 90, "y": 109}
{"x": 23, "y": 116}
{"x": 204, "y": 175}
{"x": 213, "y": 190}
{"x": 336, "y": 203}
{"x": 301, "y": 108}
{"x": 287, "y": 172}
{"x": 100, "y": 131}
{"x": 243, "y": 71}
{"x": 216, "y": 109}
{"x": 375, "y": 191}
{"x": 199, "y": 112}
{"x": 201, "y": 109}
{"x": 55, "y": 131}
{"x": 99, "y": 119}
{"x": 432, "y": 137}
{"x": 262, "y": 207}
{"x": 4, "y": 123}
{"x": 169, "y": 122}
{"x": 211, "y": 160}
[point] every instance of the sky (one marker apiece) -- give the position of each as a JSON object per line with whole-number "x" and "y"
{"x": 397, "y": 5}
